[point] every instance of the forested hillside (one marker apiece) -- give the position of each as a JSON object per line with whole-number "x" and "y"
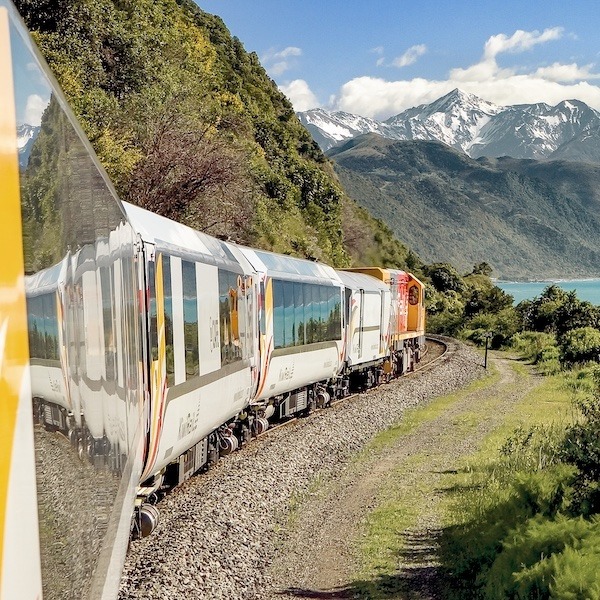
{"x": 189, "y": 125}
{"x": 527, "y": 219}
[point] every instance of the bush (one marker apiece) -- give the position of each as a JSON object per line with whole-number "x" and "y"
{"x": 580, "y": 346}
{"x": 534, "y": 346}
{"x": 541, "y": 552}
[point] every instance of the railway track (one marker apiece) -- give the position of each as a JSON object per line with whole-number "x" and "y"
{"x": 218, "y": 533}
{"x": 435, "y": 349}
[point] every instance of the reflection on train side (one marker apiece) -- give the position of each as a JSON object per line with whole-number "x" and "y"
{"x": 82, "y": 338}
{"x": 86, "y": 349}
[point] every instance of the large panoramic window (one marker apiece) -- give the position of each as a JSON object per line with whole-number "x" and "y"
{"x": 305, "y": 313}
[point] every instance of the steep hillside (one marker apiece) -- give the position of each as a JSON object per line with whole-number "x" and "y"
{"x": 188, "y": 124}
{"x": 449, "y": 207}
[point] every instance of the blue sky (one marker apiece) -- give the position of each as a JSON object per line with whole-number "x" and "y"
{"x": 378, "y": 57}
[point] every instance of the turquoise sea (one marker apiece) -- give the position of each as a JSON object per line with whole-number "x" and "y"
{"x": 587, "y": 289}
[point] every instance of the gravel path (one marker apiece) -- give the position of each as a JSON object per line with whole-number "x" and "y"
{"x": 319, "y": 557}
{"x": 222, "y": 534}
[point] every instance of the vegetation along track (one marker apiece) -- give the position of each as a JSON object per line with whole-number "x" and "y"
{"x": 378, "y": 536}
{"x": 220, "y": 533}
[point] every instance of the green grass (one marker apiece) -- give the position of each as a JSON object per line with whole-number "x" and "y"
{"x": 525, "y": 443}
{"x": 477, "y": 482}
{"x": 414, "y": 417}
{"x": 398, "y": 510}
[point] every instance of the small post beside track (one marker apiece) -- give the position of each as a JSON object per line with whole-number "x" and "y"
{"x": 488, "y": 335}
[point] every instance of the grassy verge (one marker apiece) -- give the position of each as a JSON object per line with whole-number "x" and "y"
{"x": 500, "y": 509}
{"x": 403, "y": 493}
{"x": 481, "y": 478}
{"x": 415, "y": 417}
{"x": 547, "y": 408}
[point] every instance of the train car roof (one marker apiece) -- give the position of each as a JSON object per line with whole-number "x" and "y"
{"x": 43, "y": 281}
{"x": 361, "y": 281}
{"x": 175, "y": 237}
{"x": 289, "y": 267}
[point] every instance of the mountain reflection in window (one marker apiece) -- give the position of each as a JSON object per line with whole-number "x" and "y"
{"x": 305, "y": 313}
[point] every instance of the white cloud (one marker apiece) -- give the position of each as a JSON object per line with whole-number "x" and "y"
{"x": 519, "y": 41}
{"x": 277, "y": 62}
{"x": 34, "y": 109}
{"x": 300, "y": 95}
{"x": 410, "y": 56}
{"x": 378, "y": 98}
{"x": 572, "y": 72}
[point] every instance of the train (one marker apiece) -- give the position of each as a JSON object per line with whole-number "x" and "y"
{"x": 137, "y": 350}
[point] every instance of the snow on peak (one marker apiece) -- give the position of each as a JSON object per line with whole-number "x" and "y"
{"x": 468, "y": 123}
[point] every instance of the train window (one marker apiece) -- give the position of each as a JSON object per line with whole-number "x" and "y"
{"x": 337, "y": 314}
{"x": 305, "y": 313}
{"x": 43, "y": 327}
{"x": 289, "y": 316}
{"x": 168, "y": 303}
{"x": 278, "y": 314}
{"x": 324, "y": 312}
{"x": 35, "y": 318}
{"x": 190, "y": 319}
{"x": 311, "y": 298}
{"x": 152, "y": 311}
{"x": 229, "y": 317}
{"x": 299, "y": 313}
{"x": 107, "y": 317}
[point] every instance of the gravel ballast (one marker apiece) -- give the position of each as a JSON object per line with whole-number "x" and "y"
{"x": 218, "y": 532}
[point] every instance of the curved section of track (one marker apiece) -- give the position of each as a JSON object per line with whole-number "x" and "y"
{"x": 219, "y": 532}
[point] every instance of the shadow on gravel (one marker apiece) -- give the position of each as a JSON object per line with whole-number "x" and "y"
{"x": 333, "y": 594}
{"x": 421, "y": 575}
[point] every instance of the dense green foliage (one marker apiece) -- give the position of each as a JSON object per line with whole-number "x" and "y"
{"x": 189, "y": 124}
{"x": 523, "y": 217}
{"x": 469, "y": 306}
{"x": 538, "y": 535}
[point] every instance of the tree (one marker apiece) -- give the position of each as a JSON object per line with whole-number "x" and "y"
{"x": 444, "y": 277}
{"x": 482, "y": 268}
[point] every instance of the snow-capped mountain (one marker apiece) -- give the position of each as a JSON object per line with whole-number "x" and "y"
{"x": 26, "y": 135}
{"x": 330, "y": 128}
{"x": 456, "y": 119}
{"x": 534, "y": 130}
{"x": 475, "y": 126}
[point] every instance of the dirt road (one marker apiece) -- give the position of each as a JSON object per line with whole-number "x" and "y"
{"x": 319, "y": 558}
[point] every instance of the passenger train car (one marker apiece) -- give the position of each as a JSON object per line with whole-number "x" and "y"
{"x": 136, "y": 350}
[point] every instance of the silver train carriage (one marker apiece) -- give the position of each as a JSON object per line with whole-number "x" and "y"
{"x": 200, "y": 321}
{"x": 367, "y": 305}
{"x": 301, "y": 325}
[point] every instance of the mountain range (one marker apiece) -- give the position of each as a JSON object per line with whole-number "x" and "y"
{"x": 526, "y": 218}
{"x": 26, "y": 135}
{"x": 569, "y": 131}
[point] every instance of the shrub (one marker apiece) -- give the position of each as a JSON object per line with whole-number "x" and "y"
{"x": 532, "y": 345}
{"x": 532, "y": 558}
{"x": 580, "y": 346}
